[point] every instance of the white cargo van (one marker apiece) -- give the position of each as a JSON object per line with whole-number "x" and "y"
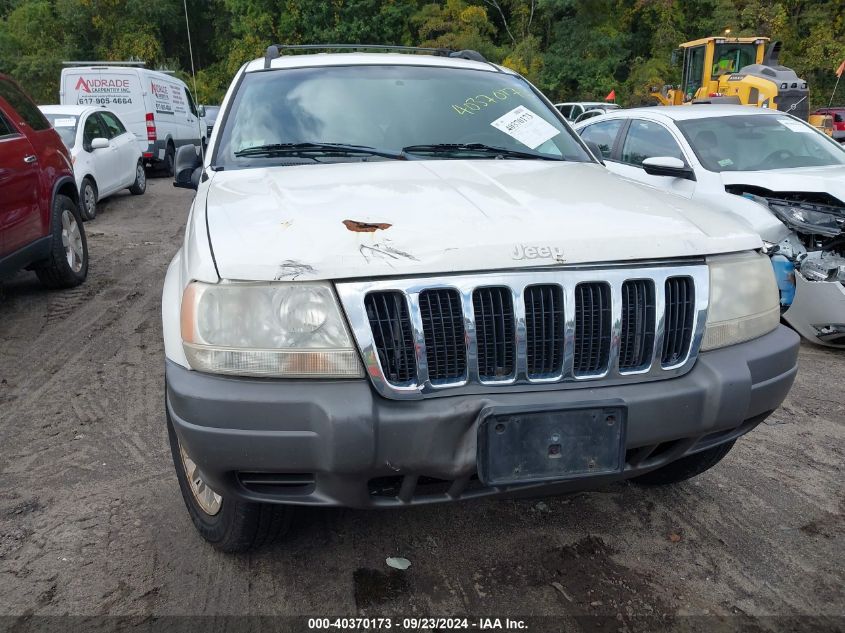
{"x": 157, "y": 107}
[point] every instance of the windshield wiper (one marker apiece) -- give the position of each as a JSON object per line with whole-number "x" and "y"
{"x": 338, "y": 149}
{"x": 476, "y": 148}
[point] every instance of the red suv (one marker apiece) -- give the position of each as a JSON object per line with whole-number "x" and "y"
{"x": 838, "y": 114}
{"x": 40, "y": 225}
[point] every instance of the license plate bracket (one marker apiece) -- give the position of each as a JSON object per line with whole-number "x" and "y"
{"x": 519, "y": 445}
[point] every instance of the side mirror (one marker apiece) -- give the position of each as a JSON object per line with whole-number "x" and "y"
{"x": 99, "y": 143}
{"x": 187, "y": 168}
{"x": 668, "y": 166}
{"x": 201, "y": 111}
{"x": 595, "y": 149}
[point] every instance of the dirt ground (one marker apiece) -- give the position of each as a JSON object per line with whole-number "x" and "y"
{"x": 92, "y": 523}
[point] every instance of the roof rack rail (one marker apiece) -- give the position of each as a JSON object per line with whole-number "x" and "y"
{"x": 104, "y": 63}
{"x": 274, "y": 50}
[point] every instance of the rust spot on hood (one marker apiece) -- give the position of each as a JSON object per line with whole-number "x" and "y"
{"x": 365, "y": 227}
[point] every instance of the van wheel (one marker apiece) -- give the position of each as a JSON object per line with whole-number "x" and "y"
{"x": 67, "y": 265}
{"x": 140, "y": 184}
{"x": 686, "y": 467}
{"x": 227, "y": 524}
{"x": 88, "y": 198}
{"x": 169, "y": 159}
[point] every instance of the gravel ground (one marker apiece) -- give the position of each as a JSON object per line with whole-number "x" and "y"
{"x": 92, "y": 523}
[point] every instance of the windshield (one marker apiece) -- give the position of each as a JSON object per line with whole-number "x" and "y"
{"x": 449, "y": 111}
{"x": 759, "y": 142}
{"x": 730, "y": 58}
{"x": 65, "y": 125}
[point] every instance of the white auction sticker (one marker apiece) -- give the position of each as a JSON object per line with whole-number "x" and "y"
{"x": 526, "y": 127}
{"x": 65, "y": 123}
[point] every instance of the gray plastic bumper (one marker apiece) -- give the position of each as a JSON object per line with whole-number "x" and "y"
{"x": 338, "y": 443}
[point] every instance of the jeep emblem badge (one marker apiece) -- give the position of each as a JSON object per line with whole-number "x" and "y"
{"x": 525, "y": 251}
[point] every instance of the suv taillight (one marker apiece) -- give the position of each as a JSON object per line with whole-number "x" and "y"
{"x": 151, "y": 127}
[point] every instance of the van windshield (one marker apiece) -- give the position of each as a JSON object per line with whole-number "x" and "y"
{"x": 65, "y": 125}
{"x": 416, "y": 112}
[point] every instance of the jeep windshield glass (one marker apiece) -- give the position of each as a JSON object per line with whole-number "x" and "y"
{"x": 759, "y": 142}
{"x": 388, "y": 108}
{"x": 65, "y": 125}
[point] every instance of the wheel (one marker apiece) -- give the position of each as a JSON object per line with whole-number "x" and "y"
{"x": 88, "y": 198}
{"x": 686, "y": 467}
{"x": 227, "y": 524}
{"x": 169, "y": 160}
{"x": 140, "y": 184}
{"x": 67, "y": 265}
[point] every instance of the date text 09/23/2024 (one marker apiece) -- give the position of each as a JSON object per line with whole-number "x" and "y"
{"x": 417, "y": 623}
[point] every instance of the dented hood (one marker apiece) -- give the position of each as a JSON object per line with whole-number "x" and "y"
{"x": 829, "y": 179}
{"x": 366, "y": 219}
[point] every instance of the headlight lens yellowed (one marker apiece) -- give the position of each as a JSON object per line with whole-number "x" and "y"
{"x": 287, "y": 330}
{"x": 744, "y": 301}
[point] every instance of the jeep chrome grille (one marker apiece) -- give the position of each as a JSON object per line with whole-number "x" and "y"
{"x": 472, "y": 333}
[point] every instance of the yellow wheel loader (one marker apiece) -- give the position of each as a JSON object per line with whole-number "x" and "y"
{"x": 740, "y": 70}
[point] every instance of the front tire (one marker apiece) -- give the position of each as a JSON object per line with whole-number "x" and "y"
{"x": 686, "y": 467}
{"x": 140, "y": 184}
{"x": 88, "y": 198}
{"x": 227, "y": 524}
{"x": 67, "y": 265}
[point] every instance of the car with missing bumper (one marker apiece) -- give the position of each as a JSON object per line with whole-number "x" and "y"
{"x": 771, "y": 170}
{"x": 406, "y": 280}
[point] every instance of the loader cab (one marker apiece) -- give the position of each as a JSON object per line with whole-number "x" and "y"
{"x": 708, "y": 59}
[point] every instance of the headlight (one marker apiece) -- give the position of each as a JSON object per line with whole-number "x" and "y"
{"x": 291, "y": 330}
{"x": 803, "y": 216}
{"x": 744, "y": 301}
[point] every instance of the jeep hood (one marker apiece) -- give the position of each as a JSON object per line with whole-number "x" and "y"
{"x": 347, "y": 220}
{"x": 829, "y": 179}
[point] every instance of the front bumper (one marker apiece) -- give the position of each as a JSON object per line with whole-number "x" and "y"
{"x": 818, "y": 311}
{"x": 338, "y": 443}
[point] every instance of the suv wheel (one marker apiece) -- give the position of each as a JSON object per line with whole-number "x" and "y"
{"x": 88, "y": 198}
{"x": 686, "y": 467}
{"x": 228, "y": 524}
{"x": 140, "y": 184}
{"x": 67, "y": 265}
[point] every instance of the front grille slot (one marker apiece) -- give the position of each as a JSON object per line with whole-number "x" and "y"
{"x": 443, "y": 329}
{"x": 636, "y": 342}
{"x": 680, "y": 305}
{"x": 387, "y": 313}
{"x": 494, "y": 331}
{"x": 544, "y": 330}
{"x": 527, "y": 329}
{"x": 592, "y": 327}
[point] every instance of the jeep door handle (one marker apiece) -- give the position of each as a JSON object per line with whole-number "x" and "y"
{"x": 30, "y": 159}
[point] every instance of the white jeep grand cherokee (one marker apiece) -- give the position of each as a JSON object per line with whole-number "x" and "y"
{"x": 406, "y": 280}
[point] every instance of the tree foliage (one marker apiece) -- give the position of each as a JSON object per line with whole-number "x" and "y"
{"x": 571, "y": 49}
